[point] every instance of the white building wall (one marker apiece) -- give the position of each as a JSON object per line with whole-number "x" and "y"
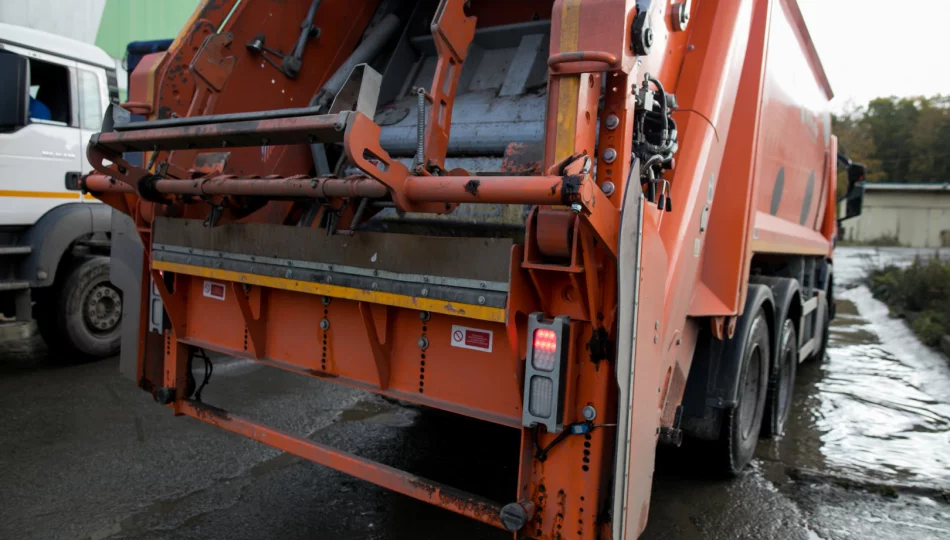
{"x": 75, "y": 19}
{"x": 915, "y": 218}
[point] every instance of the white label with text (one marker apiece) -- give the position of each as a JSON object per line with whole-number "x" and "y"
{"x": 214, "y": 290}
{"x": 472, "y": 338}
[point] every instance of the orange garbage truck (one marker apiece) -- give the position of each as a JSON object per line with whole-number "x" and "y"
{"x": 605, "y": 224}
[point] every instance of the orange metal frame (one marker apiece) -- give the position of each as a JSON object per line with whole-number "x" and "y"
{"x": 716, "y": 68}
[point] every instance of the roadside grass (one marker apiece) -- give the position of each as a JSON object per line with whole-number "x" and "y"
{"x": 919, "y": 293}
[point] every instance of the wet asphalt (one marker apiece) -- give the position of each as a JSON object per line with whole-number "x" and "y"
{"x": 85, "y": 455}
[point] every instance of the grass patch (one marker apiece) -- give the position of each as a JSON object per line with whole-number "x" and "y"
{"x": 919, "y": 293}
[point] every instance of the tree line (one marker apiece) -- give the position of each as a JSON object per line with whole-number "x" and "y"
{"x": 898, "y": 139}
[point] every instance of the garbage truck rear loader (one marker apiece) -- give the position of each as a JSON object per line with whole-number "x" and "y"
{"x": 601, "y": 223}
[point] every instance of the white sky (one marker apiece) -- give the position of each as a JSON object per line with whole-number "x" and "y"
{"x": 873, "y": 48}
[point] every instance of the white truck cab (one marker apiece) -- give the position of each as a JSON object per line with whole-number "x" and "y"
{"x": 54, "y": 240}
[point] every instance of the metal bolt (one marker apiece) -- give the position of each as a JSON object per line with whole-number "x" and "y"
{"x": 289, "y": 273}
{"x": 326, "y": 300}
{"x": 612, "y": 121}
{"x": 424, "y": 316}
{"x": 576, "y": 208}
{"x": 647, "y": 39}
{"x": 681, "y": 16}
{"x": 656, "y": 338}
{"x": 656, "y": 325}
{"x": 608, "y": 188}
{"x": 481, "y": 300}
{"x": 425, "y": 292}
{"x": 324, "y": 324}
{"x": 423, "y": 343}
{"x": 610, "y": 155}
{"x": 514, "y": 516}
{"x": 589, "y": 413}
{"x": 375, "y": 286}
{"x": 679, "y": 341}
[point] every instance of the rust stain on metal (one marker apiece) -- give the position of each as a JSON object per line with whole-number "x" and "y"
{"x": 464, "y": 503}
{"x": 210, "y": 412}
{"x": 472, "y": 186}
{"x": 522, "y": 158}
{"x": 561, "y": 510}
{"x": 451, "y": 308}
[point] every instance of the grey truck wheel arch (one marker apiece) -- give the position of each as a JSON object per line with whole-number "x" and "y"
{"x": 53, "y": 234}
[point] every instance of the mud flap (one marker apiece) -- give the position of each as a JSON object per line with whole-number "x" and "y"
{"x": 641, "y": 271}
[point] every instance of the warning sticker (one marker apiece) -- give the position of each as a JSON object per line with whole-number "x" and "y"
{"x": 472, "y": 338}
{"x": 214, "y": 290}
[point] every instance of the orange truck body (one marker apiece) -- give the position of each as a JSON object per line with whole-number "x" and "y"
{"x": 644, "y": 275}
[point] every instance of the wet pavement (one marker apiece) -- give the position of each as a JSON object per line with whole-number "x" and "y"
{"x": 83, "y": 454}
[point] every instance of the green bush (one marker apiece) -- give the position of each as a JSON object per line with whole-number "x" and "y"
{"x": 920, "y": 293}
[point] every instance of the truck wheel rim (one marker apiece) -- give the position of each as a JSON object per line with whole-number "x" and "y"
{"x": 785, "y": 387}
{"x": 750, "y": 393}
{"x": 103, "y": 309}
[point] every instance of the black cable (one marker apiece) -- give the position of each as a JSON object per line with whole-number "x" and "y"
{"x": 192, "y": 383}
{"x": 209, "y": 369}
{"x": 542, "y": 453}
{"x": 664, "y": 110}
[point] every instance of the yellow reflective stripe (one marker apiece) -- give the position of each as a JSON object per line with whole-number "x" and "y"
{"x": 43, "y": 194}
{"x": 568, "y": 85}
{"x": 468, "y": 311}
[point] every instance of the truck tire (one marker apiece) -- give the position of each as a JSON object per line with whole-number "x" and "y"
{"x": 742, "y": 423}
{"x": 80, "y": 318}
{"x": 778, "y": 403}
{"x": 819, "y": 356}
{"x": 830, "y": 308}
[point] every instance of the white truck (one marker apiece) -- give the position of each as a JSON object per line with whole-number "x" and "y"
{"x": 54, "y": 240}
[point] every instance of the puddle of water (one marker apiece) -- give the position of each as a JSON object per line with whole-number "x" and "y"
{"x": 852, "y": 263}
{"x": 877, "y": 408}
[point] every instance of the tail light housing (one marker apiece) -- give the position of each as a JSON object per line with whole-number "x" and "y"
{"x": 544, "y": 372}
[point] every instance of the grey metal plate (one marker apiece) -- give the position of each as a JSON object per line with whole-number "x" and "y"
{"x": 483, "y": 259}
{"x": 308, "y": 272}
{"x": 628, "y": 278}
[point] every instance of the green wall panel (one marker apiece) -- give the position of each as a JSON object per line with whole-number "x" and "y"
{"x": 137, "y": 20}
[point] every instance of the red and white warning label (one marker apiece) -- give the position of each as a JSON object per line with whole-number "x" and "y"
{"x": 214, "y": 290}
{"x": 472, "y": 338}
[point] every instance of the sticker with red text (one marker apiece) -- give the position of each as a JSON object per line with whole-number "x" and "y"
{"x": 471, "y": 338}
{"x": 214, "y": 290}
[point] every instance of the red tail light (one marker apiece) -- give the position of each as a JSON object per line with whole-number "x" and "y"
{"x": 545, "y": 368}
{"x": 545, "y": 349}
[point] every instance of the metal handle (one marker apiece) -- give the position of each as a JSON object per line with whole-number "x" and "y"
{"x": 583, "y": 56}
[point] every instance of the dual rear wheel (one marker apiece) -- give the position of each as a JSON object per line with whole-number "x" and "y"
{"x": 764, "y": 394}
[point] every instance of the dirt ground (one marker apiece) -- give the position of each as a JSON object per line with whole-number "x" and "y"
{"x": 84, "y": 454}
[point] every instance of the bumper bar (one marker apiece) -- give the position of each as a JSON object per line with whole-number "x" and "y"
{"x": 239, "y": 131}
{"x": 452, "y": 499}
